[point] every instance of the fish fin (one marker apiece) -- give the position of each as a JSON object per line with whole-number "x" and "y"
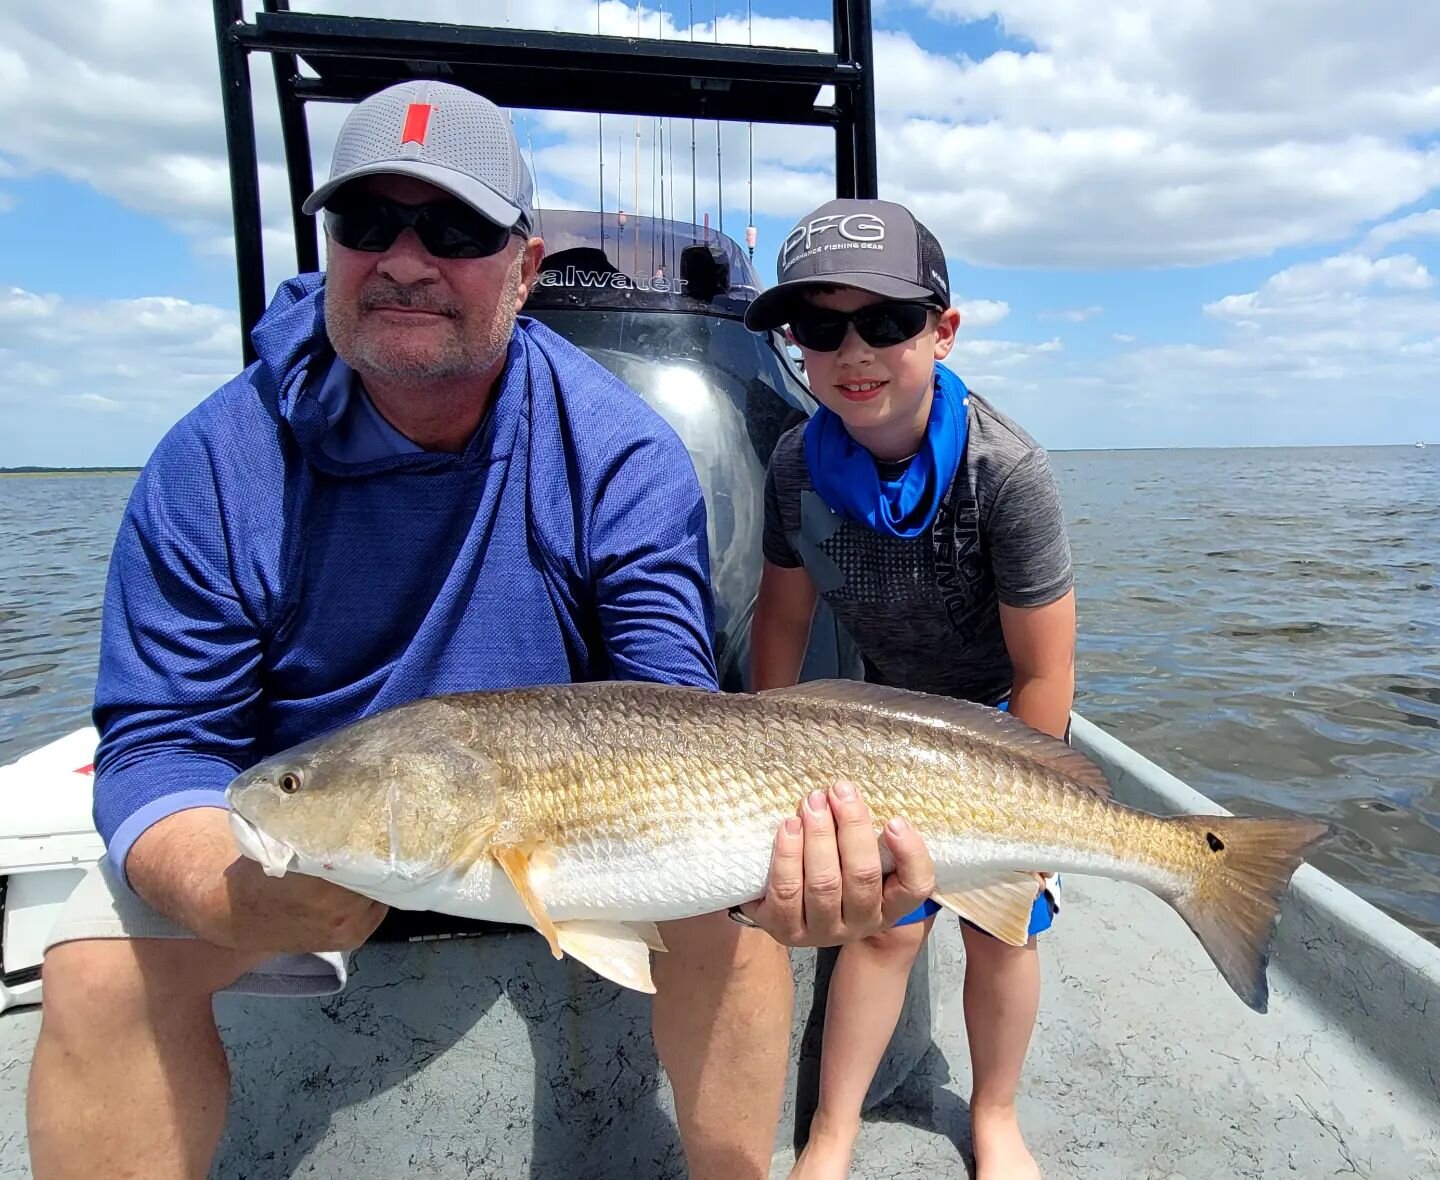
{"x": 1234, "y": 901}
{"x": 516, "y": 863}
{"x": 475, "y": 848}
{"x": 1002, "y": 909}
{"x": 982, "y": 721}
{"x": 613, "y": 949}
{"x": 650, "y": 934}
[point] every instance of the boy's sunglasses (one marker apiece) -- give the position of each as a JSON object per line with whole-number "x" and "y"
{"x": 880, "y": 325}
{"x": 448, "y": 228}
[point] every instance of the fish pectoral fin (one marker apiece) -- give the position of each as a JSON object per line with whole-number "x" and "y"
{"x": 616, "y": 950}
{"x": 1002, "y": 909}
{"x": 516, "y": 863}
{"x": 649, "y": 934}
{"x": 476, "y": 847}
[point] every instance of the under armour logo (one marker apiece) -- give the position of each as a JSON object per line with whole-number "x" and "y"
{"x": 417, "y": 122}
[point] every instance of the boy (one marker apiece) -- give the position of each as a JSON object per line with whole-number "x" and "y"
{"x": 933, "y": 527}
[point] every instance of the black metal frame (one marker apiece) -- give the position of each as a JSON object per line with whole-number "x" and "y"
{"x": 354, "y": 56}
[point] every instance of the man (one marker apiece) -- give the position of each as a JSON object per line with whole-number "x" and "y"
{"x": 410, "y": 492}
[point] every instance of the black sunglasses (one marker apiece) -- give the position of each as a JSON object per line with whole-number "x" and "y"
{"x": 880, "y": 325}
{"x": 448, "y": 228}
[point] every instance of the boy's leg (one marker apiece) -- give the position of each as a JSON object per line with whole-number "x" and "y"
{"x": 866, "y": 994}
{"x": 1002, "y": 998}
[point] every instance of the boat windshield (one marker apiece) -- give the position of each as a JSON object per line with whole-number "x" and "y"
{"x": 624, "y": 260}
{"x": 728, "y": 394}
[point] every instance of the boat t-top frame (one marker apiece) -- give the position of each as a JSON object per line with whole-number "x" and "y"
{"x": 350, "y": 57}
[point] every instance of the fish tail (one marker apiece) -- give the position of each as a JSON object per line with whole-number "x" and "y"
{"x": 1233, "y": 901}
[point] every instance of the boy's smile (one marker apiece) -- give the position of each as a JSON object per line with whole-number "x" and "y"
{"x": 861, "y": 391}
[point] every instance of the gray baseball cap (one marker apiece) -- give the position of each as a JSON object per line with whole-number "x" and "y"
{"x": 877, "y": 246}
{"x": 440, "y": 133}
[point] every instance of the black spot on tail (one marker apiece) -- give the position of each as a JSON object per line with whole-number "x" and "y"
{"x": 1216, "y": 844}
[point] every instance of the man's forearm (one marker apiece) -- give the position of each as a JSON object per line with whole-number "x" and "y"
{"x": 178, "y": 867}
{"x": 188, "y": 868}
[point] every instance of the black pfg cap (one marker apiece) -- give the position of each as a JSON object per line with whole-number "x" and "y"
{"x": 876, "y": 246}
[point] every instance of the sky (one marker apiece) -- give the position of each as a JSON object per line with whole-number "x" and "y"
{"x": 1168, "y": 222}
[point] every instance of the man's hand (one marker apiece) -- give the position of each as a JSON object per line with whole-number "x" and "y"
{"x": 291, "y": 913}
{"x": 187, "y": 867}
{"x": 826, "y": 886}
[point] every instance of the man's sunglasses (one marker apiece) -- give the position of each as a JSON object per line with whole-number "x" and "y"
{"x": 448, "y": 228}
{"x": 880, "y": 325}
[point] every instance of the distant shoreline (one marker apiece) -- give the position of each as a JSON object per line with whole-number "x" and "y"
{"x": 20, "y": 471}
{"x": 16, "y": 471}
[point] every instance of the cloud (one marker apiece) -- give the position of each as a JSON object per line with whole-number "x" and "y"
{"x": 1136, "y": 132}
{"x": 999, "y": 365}
{"x": 7, "y": 201}
{"x": 1073, "y": 315}
{"x": 1129, "y": 134}
{"x": 1117, "y": 134}
{"x": 1343, "y": 320}
{"x": 93, "y": 402}
{"x": 133, "y": 109}
{"x": 22, "y": 372}
{"x": 1337, "y": 288}
{"x": 148, "y": 359}
{"x": 982, "y": 313}
{"x": 1341, "y": 350}
{"x": 1416, "y": 227}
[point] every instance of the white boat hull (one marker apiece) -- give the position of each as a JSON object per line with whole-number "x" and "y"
{"x": 47, "y": 843}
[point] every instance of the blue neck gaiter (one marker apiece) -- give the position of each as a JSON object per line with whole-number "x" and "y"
{"x": 846, "y": 477}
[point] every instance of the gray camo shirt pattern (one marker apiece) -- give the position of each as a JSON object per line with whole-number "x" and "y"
{"x": 925, "y": 610}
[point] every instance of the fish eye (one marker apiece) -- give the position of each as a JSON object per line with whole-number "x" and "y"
{"x": 289, "y": 782}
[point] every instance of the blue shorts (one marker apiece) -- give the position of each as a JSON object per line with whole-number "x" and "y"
{"x": 1042, "y": 913}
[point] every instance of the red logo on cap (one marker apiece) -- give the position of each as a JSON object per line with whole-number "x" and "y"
{"x": 417, "y": 119}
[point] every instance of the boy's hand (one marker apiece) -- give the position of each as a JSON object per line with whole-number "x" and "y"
{"x": 826, "y": 886}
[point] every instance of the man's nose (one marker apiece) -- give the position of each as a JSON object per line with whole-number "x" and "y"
{"x": 407, "y": 261}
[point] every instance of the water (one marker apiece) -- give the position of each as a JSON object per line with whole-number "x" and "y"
{"x": 1263, "y": 623}
{"x": 55, "y": 539}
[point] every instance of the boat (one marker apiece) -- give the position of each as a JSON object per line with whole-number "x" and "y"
{"x": 464, "y": 1049}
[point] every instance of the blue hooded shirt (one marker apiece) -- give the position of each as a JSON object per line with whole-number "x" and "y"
{"x": 263, "y": 590}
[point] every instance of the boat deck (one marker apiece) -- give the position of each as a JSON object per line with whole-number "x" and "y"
{"x": 460, "y": 1059}
{"x": 1143, "y": 1066}
{"x": 1146, "y": 1067}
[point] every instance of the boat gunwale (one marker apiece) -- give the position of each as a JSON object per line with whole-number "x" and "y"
{"x": 1353, "y": 964}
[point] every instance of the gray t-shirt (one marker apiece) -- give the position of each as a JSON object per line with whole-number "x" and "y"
{"x": 925, "y": 610}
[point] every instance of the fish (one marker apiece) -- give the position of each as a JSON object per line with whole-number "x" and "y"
{"x": 591, "y": 812}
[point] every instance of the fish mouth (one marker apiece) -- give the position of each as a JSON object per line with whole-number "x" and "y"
{"x": 275, "y": 856}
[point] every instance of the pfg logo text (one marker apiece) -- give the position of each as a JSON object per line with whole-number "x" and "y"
{"x": 853, "y": 227}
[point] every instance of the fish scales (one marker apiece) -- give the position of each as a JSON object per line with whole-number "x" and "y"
{"x": 592, "y": 811}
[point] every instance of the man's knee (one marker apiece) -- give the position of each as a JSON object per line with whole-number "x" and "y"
{"x": 718, "y": 937}
{"x": 713, "y": 943}
{"x": 110, "y": 983}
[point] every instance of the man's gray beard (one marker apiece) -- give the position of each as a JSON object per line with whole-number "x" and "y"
{"x": 455, "y": 361}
